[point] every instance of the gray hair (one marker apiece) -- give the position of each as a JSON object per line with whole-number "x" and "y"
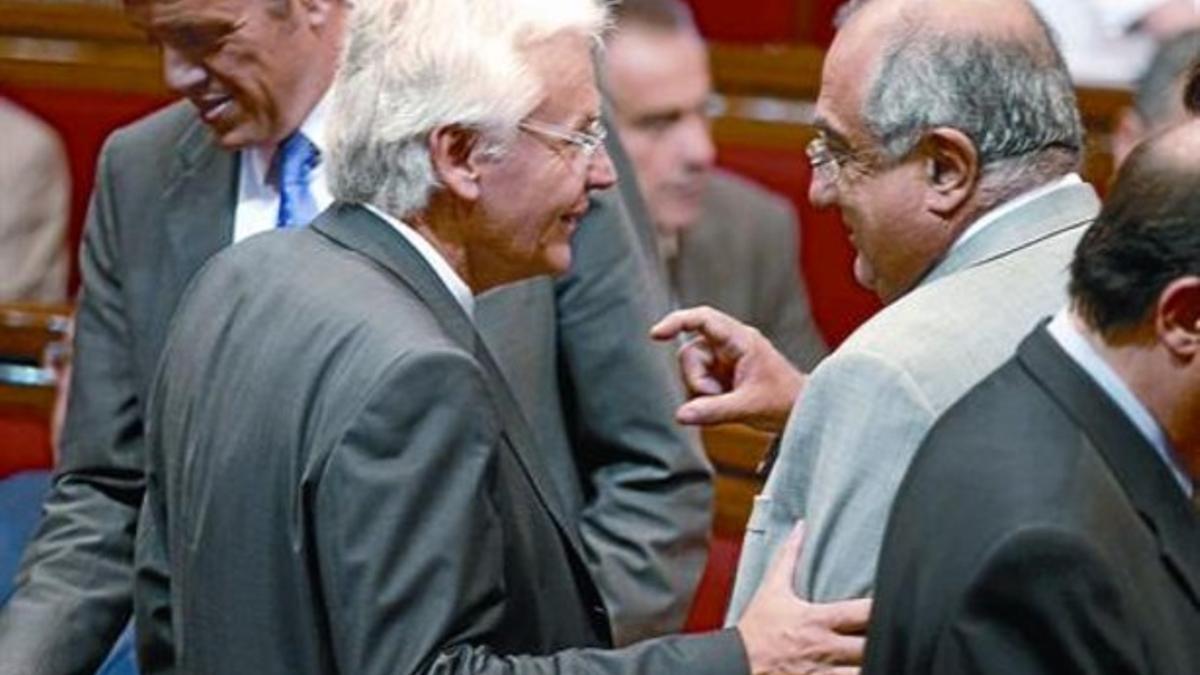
{"x": 1155, "y": 95}
{"x": 665, "y": 15}
{"x": 412, "y": 66}
{"x": 1012, "y": 97}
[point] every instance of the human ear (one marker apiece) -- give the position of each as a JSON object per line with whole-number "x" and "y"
{"x": 1177, "y": 317}
{"x": 952, "y": 169}
{"x": 451, "y": 151}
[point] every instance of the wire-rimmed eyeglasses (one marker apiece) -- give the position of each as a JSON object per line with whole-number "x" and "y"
{"x": 588, "y": 141}
{"x": 824, "y": 161}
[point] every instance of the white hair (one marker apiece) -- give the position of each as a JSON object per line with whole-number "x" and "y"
{"x": 411, "y": 66}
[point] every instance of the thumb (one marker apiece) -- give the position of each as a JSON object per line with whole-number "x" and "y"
{"x": 709, "y": 410}
{"x": 783, "y": 564}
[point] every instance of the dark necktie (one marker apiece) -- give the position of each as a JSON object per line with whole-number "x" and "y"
{"x": 297, "y": 158}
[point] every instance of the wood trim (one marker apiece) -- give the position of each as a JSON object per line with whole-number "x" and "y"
{"x": 67, "y": 20}
{"x": 76, "y": 46}
{"x": 792, "y": 72}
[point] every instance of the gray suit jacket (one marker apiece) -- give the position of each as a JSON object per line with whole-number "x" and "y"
{"x": 866, "y": 408}
{"x": 740, "y": 257}
{"x": 600, "y": 394}
{"x": 1038, "y": 532}
{"x": 338, "y": 480}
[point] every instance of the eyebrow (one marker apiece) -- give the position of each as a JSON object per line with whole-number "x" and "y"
{"x": 825, "y": 128}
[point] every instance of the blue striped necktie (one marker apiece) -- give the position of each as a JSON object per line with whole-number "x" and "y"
{"x": 297, "y": 158}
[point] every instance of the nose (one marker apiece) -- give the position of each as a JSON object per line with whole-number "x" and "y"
{"x": 695, "y": 142}
{"x": 181, "y": 73}
{"x": 601, "y": 173}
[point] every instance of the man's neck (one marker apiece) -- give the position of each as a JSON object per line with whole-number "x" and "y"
{"x": 1137, "y": 360}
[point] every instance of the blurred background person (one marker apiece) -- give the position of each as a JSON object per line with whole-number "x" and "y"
{"x": 1158, "y": 96}
{"x": 36, "y": 186}
{"x": 724, "y": 241}
{"x": 1109, "y": 42}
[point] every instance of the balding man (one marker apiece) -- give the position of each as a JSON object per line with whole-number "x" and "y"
{"x": 964, "y": 209}
{"x": 1047, "y": 524}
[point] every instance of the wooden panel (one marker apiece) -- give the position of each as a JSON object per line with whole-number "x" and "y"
{"x": 26, "y": 330}
{"x": 735, "y": 452}
{"x": 75, "y": 46}
{"x": 792, "y": 72}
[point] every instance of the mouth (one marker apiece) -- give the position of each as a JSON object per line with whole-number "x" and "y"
{"x": 213, "y": 108}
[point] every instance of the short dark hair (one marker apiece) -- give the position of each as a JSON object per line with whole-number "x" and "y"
{"x": 1154, "y": 98}
{"x": 1191, "y": 95}
{"x": 1147, "y": 235}
{"x": 666, "y": 15}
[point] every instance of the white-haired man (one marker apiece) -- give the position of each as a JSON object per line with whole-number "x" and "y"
{"x": 206, "y": 173}
{"x": 339, "y": 479}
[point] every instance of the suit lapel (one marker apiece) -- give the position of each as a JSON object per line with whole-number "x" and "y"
{"x": 1146, "y": 480}
{"x": 358, "y": 229}
{"x": 200, "y": 200}
{"x": 1071, "y": 207}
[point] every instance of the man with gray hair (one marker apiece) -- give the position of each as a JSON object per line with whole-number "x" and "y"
{"x": 339, "y": 478}
{"x": 1158, "y": 97}
{"x": 948, "y": 138}
{"x": 242, "y": 154}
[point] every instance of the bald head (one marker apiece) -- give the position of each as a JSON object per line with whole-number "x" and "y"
{"x": 988, "y": 68}
{"x": 1147, "y": 234}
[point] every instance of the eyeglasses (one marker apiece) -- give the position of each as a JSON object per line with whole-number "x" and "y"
{"x": 588, "y": 141}
{"x": 824, "y": 162}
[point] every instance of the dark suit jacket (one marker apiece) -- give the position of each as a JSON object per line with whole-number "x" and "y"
{"x": 1038, "y": 532}
{"x": 600, "y": 396}
{"x": 741, "y": 257}
{"x": 340, "y": 481}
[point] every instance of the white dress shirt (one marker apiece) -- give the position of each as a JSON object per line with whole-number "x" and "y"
{"x": 454, "y": 283}
{"x": 1074, "y": 344}
{"x": 258, "y": 196}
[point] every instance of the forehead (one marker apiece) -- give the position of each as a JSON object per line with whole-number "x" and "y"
{"x": 564, "y": 67}
{"x": 166, "y": 14}
{"x": 649, "y": 67}
{"x": 850, "y": 68}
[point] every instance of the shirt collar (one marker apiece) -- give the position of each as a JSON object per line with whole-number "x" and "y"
{"x": 454, "y": 283}
{"x": 1080, "y": 351}
{"x": 1013, "y": 204}
{"x": 313, "y": 127}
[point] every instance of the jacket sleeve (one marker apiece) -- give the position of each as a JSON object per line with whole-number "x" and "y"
{"x": 72, "y": 596}
{"x": 411, "y": 550}
{"x": 646, "y": 525}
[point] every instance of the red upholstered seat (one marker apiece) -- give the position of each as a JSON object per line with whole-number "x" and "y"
{"x": 24, "y": 440}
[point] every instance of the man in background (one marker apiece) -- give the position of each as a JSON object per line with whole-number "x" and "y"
{"x": 724, "y": 242}
{"x": 1109, "y": 42}
{"x": 1047, "y": 524}
{"x": 241, "y": 156}
{"x": 963, "y": 211}
{"x": 1158, "y": 96}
